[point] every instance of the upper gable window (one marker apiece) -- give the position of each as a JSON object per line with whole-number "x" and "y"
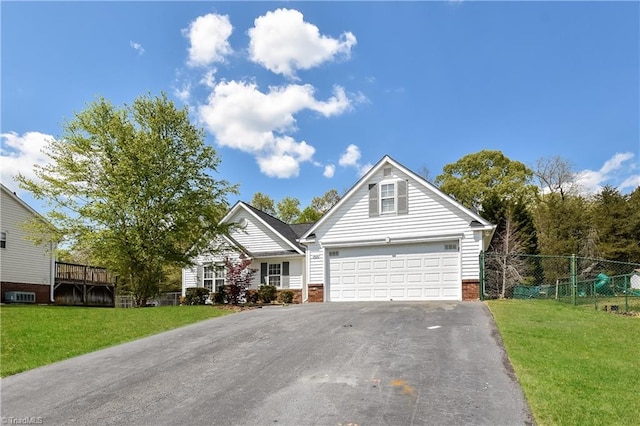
{"x": 387, "y": 198}
{"x": 3, "y": 240}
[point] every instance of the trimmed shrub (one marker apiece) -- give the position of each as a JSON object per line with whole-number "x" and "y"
{"x": 251, "y": 296}
{"x": 196, "y": 296}
{"x": 219, "y": 296}
{"x": 286, "y": 296}
{"x": 267, "y": 293}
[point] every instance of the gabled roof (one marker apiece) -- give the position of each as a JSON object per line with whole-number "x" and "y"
{"x": 476, "y": 220}
{"x": 288, "y": 233}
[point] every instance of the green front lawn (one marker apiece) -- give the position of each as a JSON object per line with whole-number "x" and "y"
{"x": 576, "y": 366}
{"x": 32, "y": 336}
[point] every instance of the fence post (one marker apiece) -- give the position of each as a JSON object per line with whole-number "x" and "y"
{"x": 626, "y": 292}
{"x": 574, "y": 280}
{"x": 481, "y": 275}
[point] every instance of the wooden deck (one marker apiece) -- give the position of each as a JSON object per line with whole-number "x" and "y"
{"x": 83, "y": 285}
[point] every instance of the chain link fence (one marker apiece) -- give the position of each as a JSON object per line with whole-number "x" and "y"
{"x": 604, "y": 284}
{"x": 164, "y": 299}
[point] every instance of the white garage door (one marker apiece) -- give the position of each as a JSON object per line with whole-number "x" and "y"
{"x": 396, "y": 272}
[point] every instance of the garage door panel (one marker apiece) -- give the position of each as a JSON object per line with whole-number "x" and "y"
{"x": 450, "y": 291}
{"x": 397, "y": 278}
{"x": 396, "y": 264}
{"x": 410, "y": 272}
{"x": 414, "y": 278}
{"x": 381, "y": 279}
{"x": 450, "y": 277}
{"x": 381, "y": 293}
{"x": 431, "y": 263}
{"x": 364, "y": 279}
{"x": 396, "y": 293}
{"x": 432, "y": 293}
{"x": 380, "y": 264}
{"x": 348, "y": 266}
{"x": 450, "y": 261}
{"x": 414, "y": 263}
{"x": 414, "y": 293}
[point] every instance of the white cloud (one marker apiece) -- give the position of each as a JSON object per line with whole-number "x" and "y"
{"x": 329, "y": 171}
{"x": 592, "y": 181}
{"x": 280, "y": 166}
{"x": 363, "y": 169}
{"x": 19, "y": 154}
{"x": 350, "y": 157}
{"x": 209, "y": 79}
{"x": 632, "y": 182}
{"x": 283, "y": 42}
{"x": 242, "y": 117}
{"x": 615, "y": 162}
{"x": 137, "y": 47}
{"x": 184, "y": 92}
{"x": 208, "y": 36}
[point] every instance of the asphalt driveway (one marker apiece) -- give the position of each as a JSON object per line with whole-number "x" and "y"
{"x": 320, "y": 364}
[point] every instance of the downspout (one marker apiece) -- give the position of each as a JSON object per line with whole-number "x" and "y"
{"x": 325, "y": 275}
{"x": 305, "y": 272}
{"x": 52, "y": 270}
{"x": 305, "y": 288}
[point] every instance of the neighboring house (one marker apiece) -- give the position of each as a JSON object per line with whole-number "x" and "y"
{"x": 392, "y": 236}
{"x": 24, "y": 266}
{"x": 271, "y": 244}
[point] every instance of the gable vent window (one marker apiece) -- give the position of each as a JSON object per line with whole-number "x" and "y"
{"x": 451, "y": 247}
{"x": 387, "y": 198}
{"x": 334, "y": 253}
{"x": 386, "y": 171}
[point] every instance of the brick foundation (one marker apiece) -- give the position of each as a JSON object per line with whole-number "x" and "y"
{"x": 470, "y": 290}
{"x": 42, "y": 291}
{"x": 316, "y": 293}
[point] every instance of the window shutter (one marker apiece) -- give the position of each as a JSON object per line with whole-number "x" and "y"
{"x": 285, "y": 269}
{"x": 263, "y": 273}
{"x": 200, "y": 276}
{"x": 373, "y": 200}
{"x": 403, "y": 200}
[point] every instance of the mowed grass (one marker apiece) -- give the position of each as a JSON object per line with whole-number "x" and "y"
{"x": 576, "y": 366}
{"x": 33, "y": 336}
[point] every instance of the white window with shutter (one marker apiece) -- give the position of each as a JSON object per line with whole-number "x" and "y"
{"x": 388, "y": 198}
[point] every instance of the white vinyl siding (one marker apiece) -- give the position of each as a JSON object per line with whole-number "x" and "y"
{"x": 22, "y": 261}
{"x": 316, "y": 263}
{"x": 430, "y": 215}
{"x": 257, "y": 237}
{"x": 194, "y": 276}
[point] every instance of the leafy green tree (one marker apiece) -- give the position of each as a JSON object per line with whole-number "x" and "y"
{"x": 288, "y": 209}
{"x": 309, "y": 215}
{"x": 135, "y": 185}
{"x": 475, "y": 178}
{"x": 324, "y": 203}
{"x": 263, "y": 202}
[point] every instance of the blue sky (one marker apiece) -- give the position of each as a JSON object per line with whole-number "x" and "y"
{"x": 301, "y": 97}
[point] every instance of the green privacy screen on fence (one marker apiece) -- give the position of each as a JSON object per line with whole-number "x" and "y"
{"x": 605, "y": 284}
